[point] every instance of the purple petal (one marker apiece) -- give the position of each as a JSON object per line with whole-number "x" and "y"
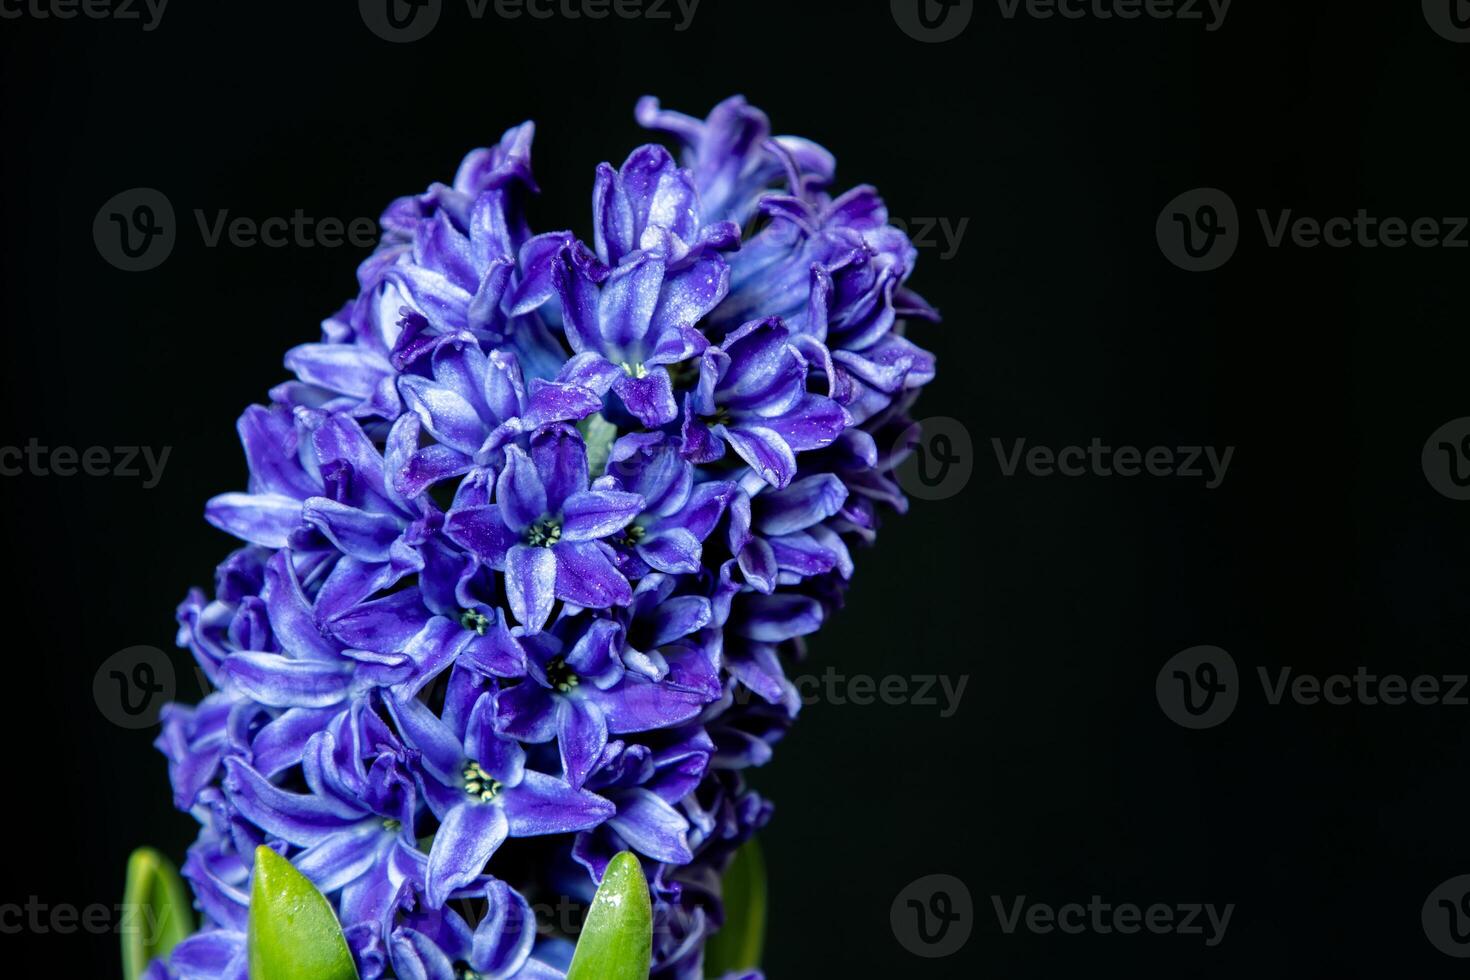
{"x": 364, "y": 536}
{"x": 637, "y": 704}
{"x": 801, "y": 555}
{"x": 691, "y": 293}
{"x": 496, "y": 653}
{"x": 626, "y": 305}
{"x": 532, "y": 580}
{"x": 483, "y": 532}
{"x": 442, "y": 753}
{"x": 766, "y": 452}
{"x": 347, "y": 368}
{"x": 814, "y": 422}
{"x": 385, "y": 625}
{"x": 266, "y": 519}
{"x": 345, "y": 857}
{"x": 543, "y": 804}
{"x": 581, "y": 735}
{"x": 704, "y": 508}
{"x": 470, "y": 834}
{"x": 300, "y": 818}
{"x": 281, "y": 682}
{"x": 561, "y": 461}
{"x": 506, "y": 935}
{"x": 520, "y": 491}
{"x": 586, "y": 577}
{"x": 766, "y": 375}
{"x": 802, "y": 504}
{"x": 272, "y": 448}
{"x": 527, "y": 712}
{"x": 652, "y": 827}
{"x": 291, "y": 617}
{"x": 593, "y": 514}
{"x": 502, "y": 758}
{"x": 679, "y": 617}
{"x": 672, "y": 550}
{"x": 553, "y": 401}
{"x": 771, "y": 619}
{"x": 444, "y": 412}
{"x": 649, "y": 398}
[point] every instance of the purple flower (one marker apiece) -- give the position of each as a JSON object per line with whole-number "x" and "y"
{"x": 479, "y": 788}
{"x": 629, "y": 322}
{"x": 356, "y": 827}
{"x": 678, "y": 513}
{"x": 431, "y": 942}
{"x": 579, "y": 691}
{"x": 646, "y": 782}
{"x": 752, "y": 395}
{"x": 545, "y": 529}
{"x": 733, "y": 157}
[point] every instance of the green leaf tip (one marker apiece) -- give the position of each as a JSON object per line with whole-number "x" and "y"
{"x": 617, "y": 939}
{"x": 293, "y": 934}
{"x": 157, "y": 911}
{"x": 737, "y": 947}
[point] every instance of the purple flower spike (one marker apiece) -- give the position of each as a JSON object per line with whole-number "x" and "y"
{"x": 530, "y": 543}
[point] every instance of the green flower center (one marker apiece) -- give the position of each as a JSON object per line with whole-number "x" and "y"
{"x": 634, "y": 370}
{"x": 560, "y": 676}
{"x": 721, "y": 416}
{"x": 631, "y": 535}
{"x": 472, "y": 620}
{"x": 544, "y": 533}
{"x": 477, "y": 783}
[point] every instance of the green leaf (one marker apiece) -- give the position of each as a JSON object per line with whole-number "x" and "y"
{"x": 294, "y": 934}
{"x": 617, "y": 939}
{"x": 738, "y": 944}
{"x": 157, "y": 905}
{"x": 599, "y": 434}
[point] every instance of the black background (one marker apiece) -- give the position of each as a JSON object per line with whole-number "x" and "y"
{"x": 1059, "y": 777}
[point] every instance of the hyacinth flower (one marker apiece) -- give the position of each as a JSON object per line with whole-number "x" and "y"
{"x": 579, "y": 691}
{"x": 629, "y": 322}
{"x": 477, "y": 219}
{"x": 752, "y": 397}
{"x": 531, "y": 539}
{"x": 656, "y": 620}
{"x": 478, "y": 786}
{"x": 546, "y": 528}
{"x": 646, "y": 782}
{"x": 732, "y": 156}
{"x": 679, "y": 514}
{"x": 784, "y": 535}
{"x": 433, "y": 941}
{"x": 356, "y": 826}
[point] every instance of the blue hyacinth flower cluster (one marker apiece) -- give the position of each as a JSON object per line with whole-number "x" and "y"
{"x": 530, "y": 540}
